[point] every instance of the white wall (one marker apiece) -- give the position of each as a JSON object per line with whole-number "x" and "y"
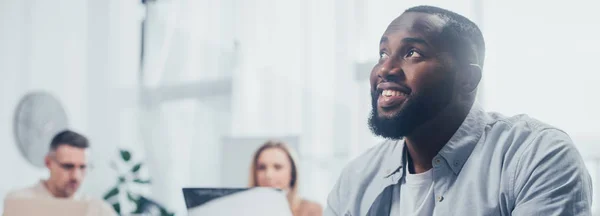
{"x": 41, "y": 47}
{"x": 112, "y": 74}
{"x": 542, "y": 61}
{"x": 82, "y": 52}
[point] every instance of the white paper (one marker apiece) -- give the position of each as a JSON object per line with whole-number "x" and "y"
{"x": 252, "y": 202}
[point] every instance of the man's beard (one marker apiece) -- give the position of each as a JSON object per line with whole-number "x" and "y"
{"x": 417, "y": 109}
{"x": 67, "y": 190}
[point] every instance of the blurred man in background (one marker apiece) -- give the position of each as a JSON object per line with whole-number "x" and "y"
{"x": 67, "y": 162}
{"x": 444, "y": 155}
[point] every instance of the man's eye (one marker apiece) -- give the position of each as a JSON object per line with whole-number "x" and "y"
{"x": 383, "y": 56}
{"x": 68, "y": 166}
{"x": 413, "y": 54}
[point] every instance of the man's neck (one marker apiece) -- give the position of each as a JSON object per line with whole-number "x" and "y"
{"x": 53, "y": 190}
{"x": 427, "y": 140}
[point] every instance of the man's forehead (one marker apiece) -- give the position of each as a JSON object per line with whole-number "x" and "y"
{"x": 70, "y": 152}
{"x": 423, "y": 24}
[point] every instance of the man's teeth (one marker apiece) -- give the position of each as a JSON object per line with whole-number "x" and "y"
{"x": 390, "y": 93}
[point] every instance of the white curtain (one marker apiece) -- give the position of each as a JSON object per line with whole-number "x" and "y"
{"x": 187, "y": 42}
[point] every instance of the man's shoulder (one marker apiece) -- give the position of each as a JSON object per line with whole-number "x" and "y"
{"x": 540, "y": 159}
{"x": 22, "y": 193}
{"x": 521, "y": 123}
{"x": 522, "y": 130}
{"x": 524, "y": 139}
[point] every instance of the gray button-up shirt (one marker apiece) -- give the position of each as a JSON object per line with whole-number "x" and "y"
{"x": 492, "y": 165}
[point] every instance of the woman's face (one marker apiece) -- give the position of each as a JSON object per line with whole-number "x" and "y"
{"x": 274, "y": 169}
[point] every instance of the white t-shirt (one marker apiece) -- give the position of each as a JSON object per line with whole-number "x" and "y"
{"x": 415, "y": 196}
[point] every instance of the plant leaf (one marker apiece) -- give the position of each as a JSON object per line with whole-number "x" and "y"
{"x": 136, "y": 168}
{"x": 140, "y": 205}
{"x": 114, "y": 191}
{"x": 117, "y": 208}
{"x": 126, "y": 155}
{"x": 165, "y": 212}
{"x": 142, "y": 181}
{"x": 137, "y": 211}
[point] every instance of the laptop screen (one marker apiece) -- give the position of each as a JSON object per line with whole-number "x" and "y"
{"x": 199, "y": 196}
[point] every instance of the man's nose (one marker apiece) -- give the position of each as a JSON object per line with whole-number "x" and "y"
{"x": 77, "y": 174}
{"x": 390, "y": 69}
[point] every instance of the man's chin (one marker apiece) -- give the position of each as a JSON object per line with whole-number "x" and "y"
{"x": 70, "y": 191}
{"x": 387, "y": 125}
{"x": 387, "y": 115}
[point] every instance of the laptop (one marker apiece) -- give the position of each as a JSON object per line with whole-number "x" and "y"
{"x": 236, "y": 201}
{"x": 45, "y": 207}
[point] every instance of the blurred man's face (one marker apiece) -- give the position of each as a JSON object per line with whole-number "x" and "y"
{"x": 68, "y": 167}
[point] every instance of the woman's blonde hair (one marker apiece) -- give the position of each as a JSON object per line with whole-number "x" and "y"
{"x": 292, "y": 196}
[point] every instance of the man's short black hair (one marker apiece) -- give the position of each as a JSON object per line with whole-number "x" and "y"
{"x": 69, "y": 138}
{"x": 459, "y": 28}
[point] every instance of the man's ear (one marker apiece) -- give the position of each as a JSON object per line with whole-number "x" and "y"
{"x": 47, "y": 161}
{"x": 472, "y": 77}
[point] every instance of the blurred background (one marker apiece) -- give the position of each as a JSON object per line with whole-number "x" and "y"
{"x": 193, "y": 87}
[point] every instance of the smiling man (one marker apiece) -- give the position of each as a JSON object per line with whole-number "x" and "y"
{"x": 443, "y": 154}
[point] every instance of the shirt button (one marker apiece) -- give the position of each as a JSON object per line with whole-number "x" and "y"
{"x": 437, "y": 161}
{"x": 456, "y": 163}
{"x": 440, "y": 198}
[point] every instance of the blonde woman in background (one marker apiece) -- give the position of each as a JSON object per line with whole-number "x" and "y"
{"x": 274, "y": 165}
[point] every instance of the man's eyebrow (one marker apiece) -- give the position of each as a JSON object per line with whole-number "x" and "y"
{"x": 384, "y": 39}
{"x": 411, "y": 40}
{"x": 415, "y": 40}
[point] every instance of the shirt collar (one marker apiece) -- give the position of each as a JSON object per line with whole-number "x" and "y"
{"x": 459, "y": 148}
{"x": 455, "y": 152}
{"x": 395, "y": 160}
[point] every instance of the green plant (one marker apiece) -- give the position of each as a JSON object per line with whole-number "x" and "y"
{"x": 129, "y": 177}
